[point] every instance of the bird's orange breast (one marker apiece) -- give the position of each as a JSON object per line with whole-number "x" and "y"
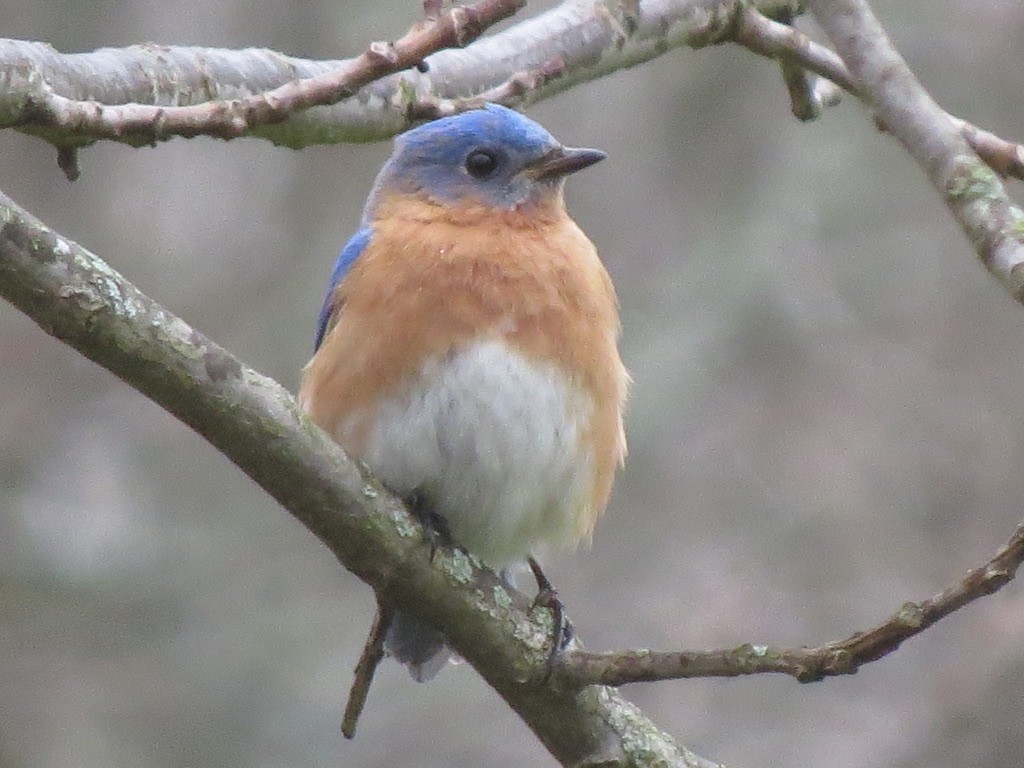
{"x": 433, "y": 281}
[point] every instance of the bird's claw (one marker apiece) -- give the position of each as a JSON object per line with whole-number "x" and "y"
{"x": 436, "y": 530}
{"x": 562, "y": 630}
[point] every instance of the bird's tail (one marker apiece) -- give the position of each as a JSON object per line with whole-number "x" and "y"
{"x": 418, "y": 646}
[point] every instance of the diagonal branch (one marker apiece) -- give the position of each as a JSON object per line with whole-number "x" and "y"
{"x": 994, "y": 225}
{"x": 807, "y": 665}
{"x": 769, "y": 38}
{"x": 79, "y": 299}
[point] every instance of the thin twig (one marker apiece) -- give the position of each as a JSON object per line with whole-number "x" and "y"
{"x": 769, "y": 38}
{"x": 67, "y": 161}
{"x": 365, "y": 669}
{"x": 808, "y": 93}
{"x": 807, "y": 665}
{"x": 806, "y": 100}
{"x": 510, "y": 93}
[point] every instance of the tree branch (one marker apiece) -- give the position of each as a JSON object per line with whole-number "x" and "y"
{"x": 771, "y": 39}
{"x": 140, "y": 124}
{"x": 148, "y": 93}
{"x": 901, "y": 106}
{"x": 508, "y": 93}
{"x": 807, "y": 665}
{"x": 809, "y": 94}
{"x": 76, "y": 297}
{"x": 60, "y": 97}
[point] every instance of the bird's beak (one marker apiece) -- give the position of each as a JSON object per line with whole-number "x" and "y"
{"x": 562, "y": 161}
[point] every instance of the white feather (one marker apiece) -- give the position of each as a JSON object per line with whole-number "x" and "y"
{"x": 491, "y": 441}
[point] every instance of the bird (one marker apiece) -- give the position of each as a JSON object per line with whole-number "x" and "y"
{"x": 467, "y": 348}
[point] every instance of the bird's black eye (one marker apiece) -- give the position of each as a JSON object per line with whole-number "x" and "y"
{"x": 481, "y": 163}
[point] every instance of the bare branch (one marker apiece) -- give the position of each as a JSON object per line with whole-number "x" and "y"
{"x": 509, "y": 93}
{"x": 772, "y": 39}
{"x": 971, "y": 190}
{"x": 373, "y": 652}
{"x": 808, "y": 93}
{"x": 76, "y": 297}
{"x": 807, "y": 665}
{"x": 144, "y": 124}
{"x": 593, "y": 39}
{"x": 256, "y": 93}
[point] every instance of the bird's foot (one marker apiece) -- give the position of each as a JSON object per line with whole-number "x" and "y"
{"x": 435, "y": 527}
{"x": 547, "y": 597}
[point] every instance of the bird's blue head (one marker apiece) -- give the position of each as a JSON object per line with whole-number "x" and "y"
{"x": 491, "y": 156}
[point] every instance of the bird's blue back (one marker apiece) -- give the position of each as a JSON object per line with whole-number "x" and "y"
{"x": 348, "y": 256}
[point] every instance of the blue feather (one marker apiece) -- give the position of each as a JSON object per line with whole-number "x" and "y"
{"x": 429, "y": 160}
{"x": 349, "y": 254}
{"x": 445, "y": 141}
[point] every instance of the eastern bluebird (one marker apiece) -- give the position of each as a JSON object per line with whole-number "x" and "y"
{"x": 466, "y": 348}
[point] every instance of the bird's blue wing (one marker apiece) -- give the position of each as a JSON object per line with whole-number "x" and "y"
{"x": 349, "y": 254}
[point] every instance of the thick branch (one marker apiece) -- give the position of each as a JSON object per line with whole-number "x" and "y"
{"x": 76, "y": 297}
{"x": 592, "y": 39}
{"x": 843, "y": 657}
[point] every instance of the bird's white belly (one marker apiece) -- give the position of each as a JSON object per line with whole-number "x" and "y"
{"x": 492, "y": 442}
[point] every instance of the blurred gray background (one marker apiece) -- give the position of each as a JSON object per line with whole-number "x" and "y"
{"x": 826, "y": 421}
